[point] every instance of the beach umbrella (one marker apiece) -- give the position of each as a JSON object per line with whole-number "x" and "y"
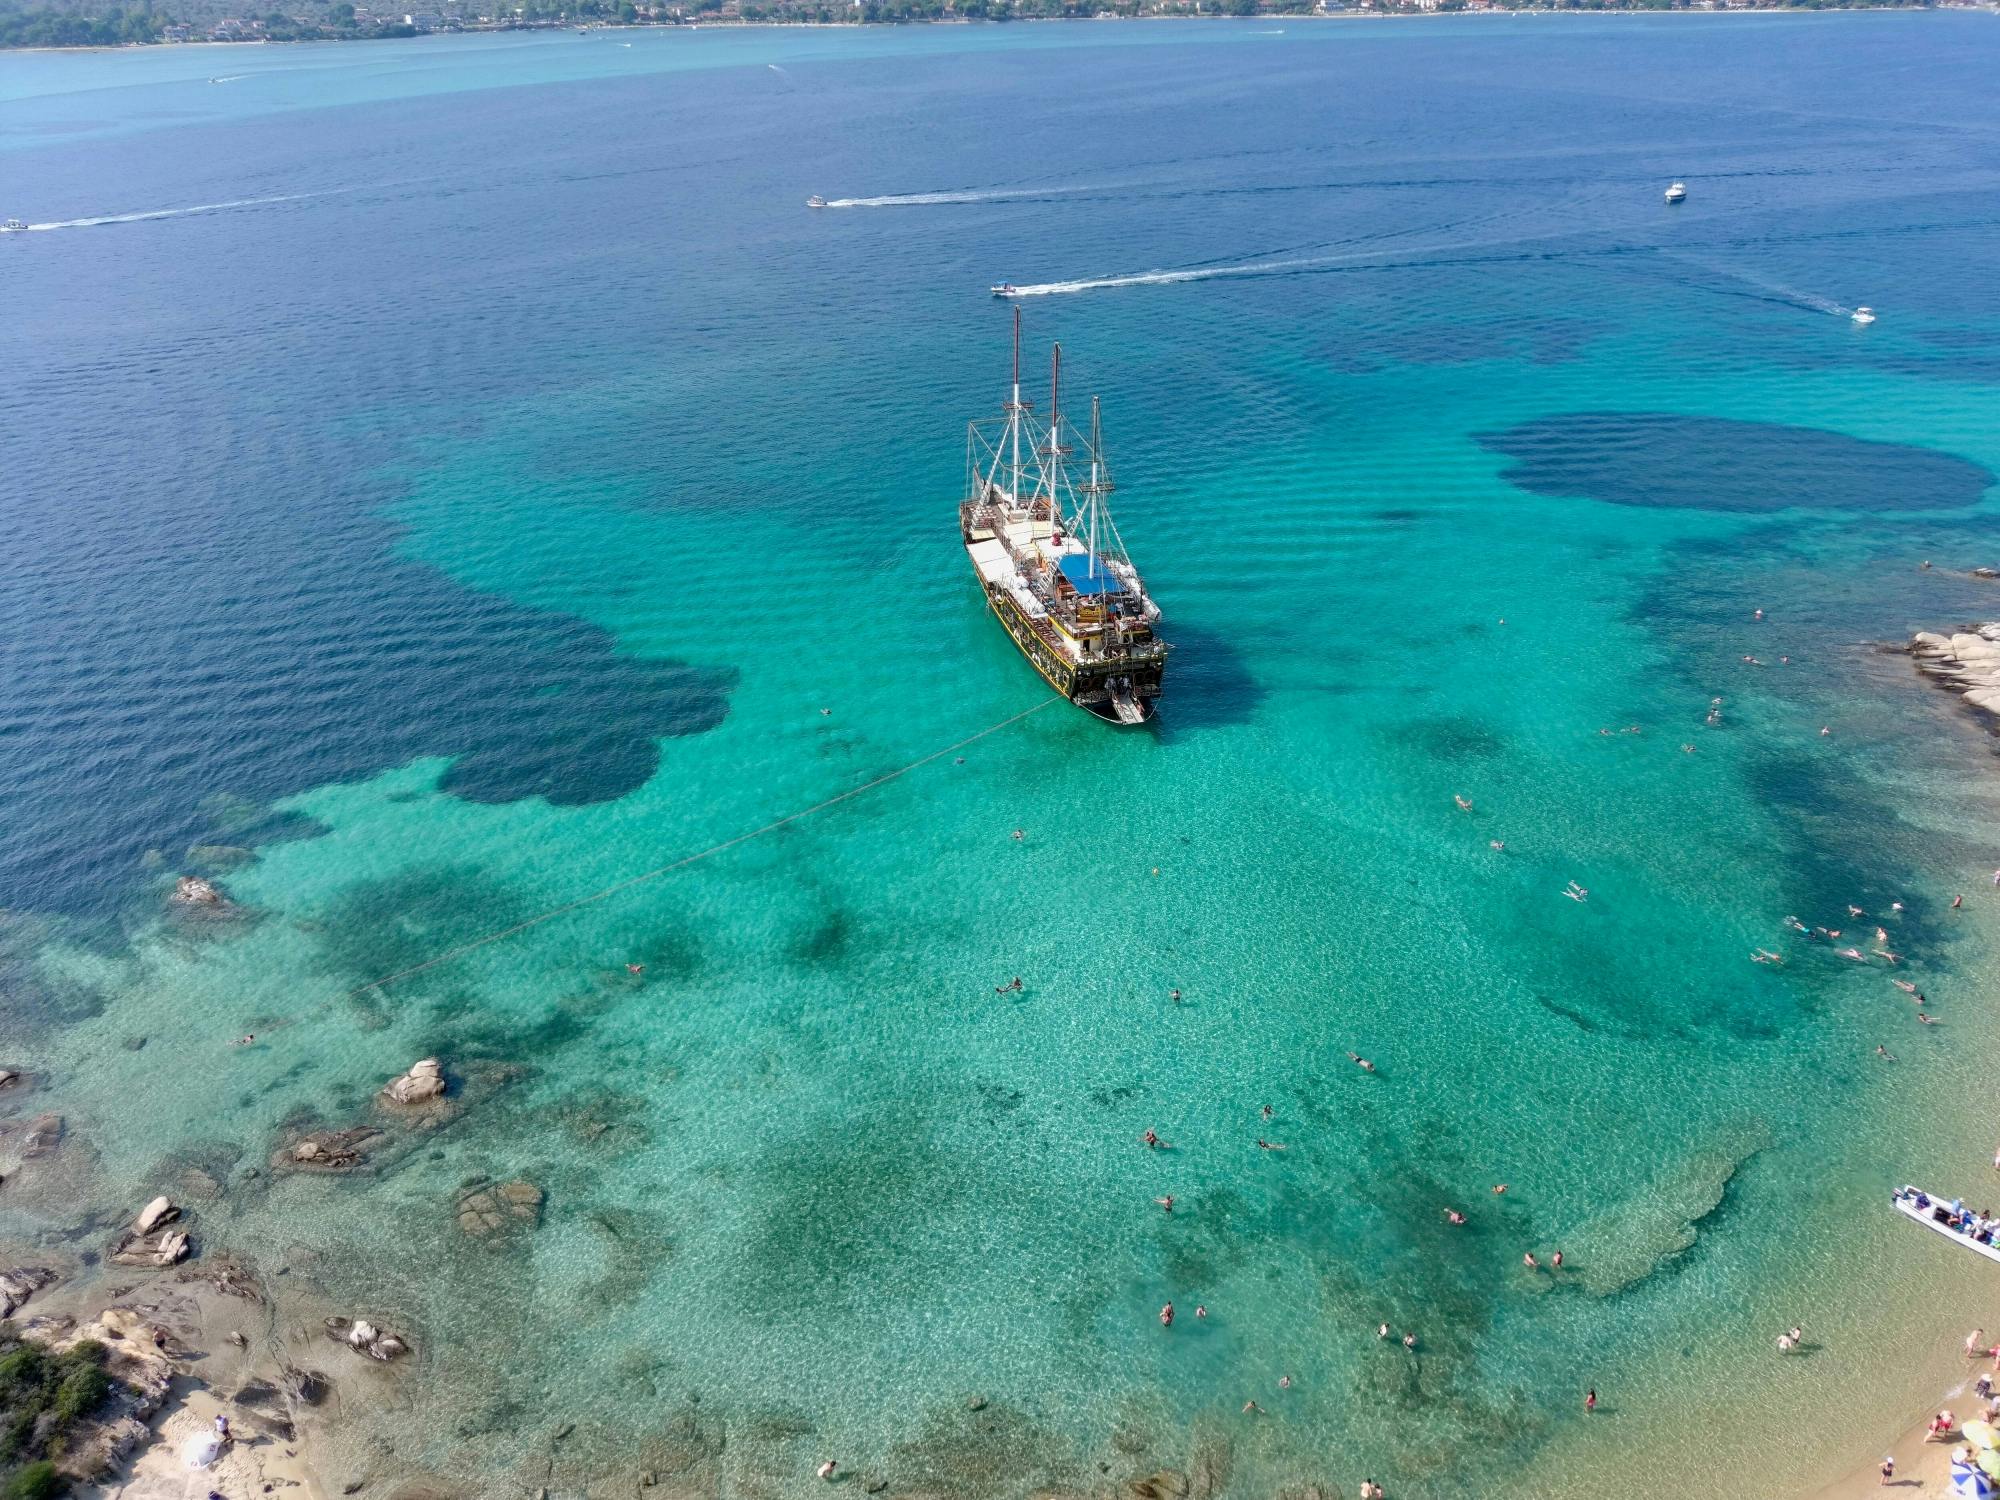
{"x": 201, "y": 1450}
{"x": 1985, "y": 1434}
{"x": 1968, "y": 1482}
{"x": 1988, "y": 1460}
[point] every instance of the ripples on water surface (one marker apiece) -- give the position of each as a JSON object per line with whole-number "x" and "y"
{"x": 461, "y": 471}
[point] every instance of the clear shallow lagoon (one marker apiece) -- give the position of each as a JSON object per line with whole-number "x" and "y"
{"x": 485, "y": 516}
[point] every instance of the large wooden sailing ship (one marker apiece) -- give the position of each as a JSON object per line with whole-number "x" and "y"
{"x": 1050, "y": 559}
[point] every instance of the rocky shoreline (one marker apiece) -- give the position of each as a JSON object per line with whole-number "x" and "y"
{"x": 1966, "y": 663}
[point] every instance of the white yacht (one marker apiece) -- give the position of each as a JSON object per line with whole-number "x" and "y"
{"x": 1863, "y": 315}
{"x": 1677, "y": 192}
{"x": 12, "y": 226}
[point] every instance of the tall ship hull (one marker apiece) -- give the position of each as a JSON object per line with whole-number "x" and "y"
{"x": 1049, "y": 559}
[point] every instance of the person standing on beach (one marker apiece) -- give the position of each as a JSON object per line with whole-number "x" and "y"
{"x": 1888, "y": 1467}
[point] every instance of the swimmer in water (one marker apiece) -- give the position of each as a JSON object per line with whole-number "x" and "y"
{"x": 244, "y": 1041}
{"x": 1200, "y": 1311}
{"x": 1269, "y": 1145}
{"x": 1167, "y": 1316}
{"x": 1556, "y": 1262}
{"x": 1499, "y": 1188}
{"x": 1409, "y": 1341}
{"x": 635, "y": 968}
{"x": 1927, "y": 1020}
{"x": 1167, "y": 1203}
{"x": 1530, "y": 1262}
{"x": 1883, "y": 1052}
{"x": 1284, "y": 1382}
{"x": 1496, "y": 845}
{"x": 1019, "y": 835}
{"x": 1150, "y": 1137}
{"x": 1757, "y": 615}
{"x": 1174, "y": 995}
{"x": 1855, "y": 911}
{"x": 1382, "y": 1332}
{"x": 1464, "y": 804}
{"x": 1957, "y": 902}
{"x": 1267, "y": 1111}
{"x": 1361, "y": 1062}
{"x": 1453, "y": 1216}
{"x": 1895, "y": 906}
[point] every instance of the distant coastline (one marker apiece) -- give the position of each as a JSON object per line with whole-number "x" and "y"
{"x": 50, "y": 30}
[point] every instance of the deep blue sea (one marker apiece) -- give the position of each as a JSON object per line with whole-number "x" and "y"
{"x": 445, "y": 479}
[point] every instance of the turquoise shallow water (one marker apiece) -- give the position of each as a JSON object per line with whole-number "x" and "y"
{"x": 488, "y": 517}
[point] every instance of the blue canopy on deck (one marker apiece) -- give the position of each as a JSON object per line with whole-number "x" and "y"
{"x": 1076, "y": 568}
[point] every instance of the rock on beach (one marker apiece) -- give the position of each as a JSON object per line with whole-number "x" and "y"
{"x": 422, "y": 1084}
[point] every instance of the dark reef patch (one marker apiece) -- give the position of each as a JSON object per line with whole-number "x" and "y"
{"x": 1714, "y": 463}
{"x": 1448, "y": 737}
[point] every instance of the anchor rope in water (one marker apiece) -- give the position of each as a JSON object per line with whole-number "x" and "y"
{"x": 729, "y": 843}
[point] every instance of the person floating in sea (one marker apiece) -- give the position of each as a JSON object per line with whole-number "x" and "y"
{"x": 1454, "y": 1217}
{"x": 246, "y": 1040}
{"x": 1785, "y": 1343}
{"x": 1151, "y": 1138}
{"x": 1926, "y": 1019}
{"x": 1530, "y": 1262}
{"x": 635, "y": 968}
{"x": 1904, "y": 985}
{"x": 1200, "y": 1311}
{"x": 1883, "y": 1052}
{"x": 1576, "y": 892}
{"x": 1019, "y": 834}
{"x": 1167, "y": 1316}
{"x": 1251, "y": 1406}
{"x": 1496, "y": 845}
{"x": 825, "y": 1470}
{"x": 1409, "y": 1340}
{"x": 1464, "y": 803}
{"x": 1267, "y": 1111}
{"x": 1499, "y": 1188}
{"x": 1361, "y": 1062}
{"x": 1174, "y": 995}
{"x": 1556, "y": 1262}
{"x": 1382, "y": 1332}
{"x": 1166, "y": 1203}
{"x": 1269, "y": 1145}
{"x": 1011, "y": 987}
{"x": 1284, "y": 1382}
{"x": 1957, "y": 902}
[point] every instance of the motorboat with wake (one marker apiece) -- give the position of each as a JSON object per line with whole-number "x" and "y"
{"x": 13, "y": 226}
{"x": 815, "y": 201}
{"x": 1863, "y": 315}
{"x": 1002, "y": 289}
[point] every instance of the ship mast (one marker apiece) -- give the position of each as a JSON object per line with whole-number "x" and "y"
{"x": 1100, "y": 482}
{"x": 1014, "y": 413}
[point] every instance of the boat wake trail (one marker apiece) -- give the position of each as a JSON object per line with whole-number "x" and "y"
{"x": 167, "y": 213}
{"x": 1169, "y": 278}
{"x": 1776, "y": 291}
{"x": 970, "y": 195}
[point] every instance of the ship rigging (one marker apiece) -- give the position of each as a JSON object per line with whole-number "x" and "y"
{"x": 1049, "y": 557}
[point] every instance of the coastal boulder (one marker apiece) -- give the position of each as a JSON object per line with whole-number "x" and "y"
{"x": 491, "y": 1209}
{"x": 364, "y": 1337}
{"x": 160, "y": 1211}
{"x": 192, "y": 890}
{"x": 45, "y": 1133}
{"x": 421, "y": 1085}
{"x": 328, "y": 1150}
{"x": 154, "y": 1252}
{"x": 21, "y": 1283}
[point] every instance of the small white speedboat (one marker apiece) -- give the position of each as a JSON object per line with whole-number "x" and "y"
{"x": 13, "y": 226}
{"x": 815, "y": 201}
{"x": 1677, "y": 192}
{"x": 1003, "y": 289}
{"x": 1948, "y": 1218}
{"x": 1864, "y": 315}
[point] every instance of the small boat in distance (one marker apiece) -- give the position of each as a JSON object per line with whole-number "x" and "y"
{"x": 12, "y": 226}
{"x": 1049, "y": 558}
{"x": 1002, "y": 289}
{"x": 1864, "y": 315}
{"x": 1976, "y": 1232}
{"x": 815, "y": 201}
{"x": 1677, "y": 192}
